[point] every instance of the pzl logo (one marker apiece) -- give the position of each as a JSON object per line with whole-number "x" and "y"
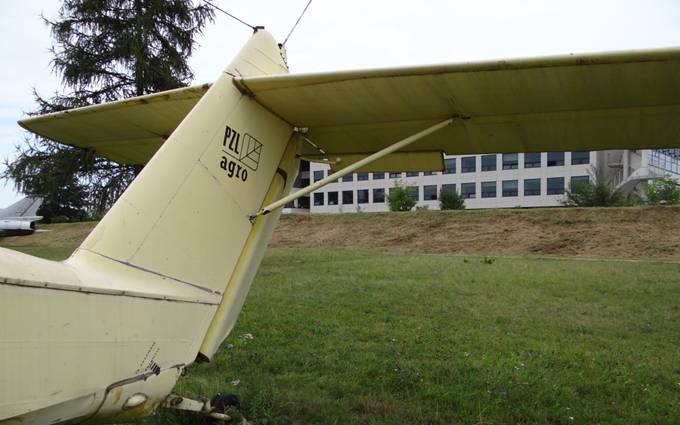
{"x": 241, "y": 154}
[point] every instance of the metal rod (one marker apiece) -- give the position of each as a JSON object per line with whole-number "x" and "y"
{"x": 351, "y": 168}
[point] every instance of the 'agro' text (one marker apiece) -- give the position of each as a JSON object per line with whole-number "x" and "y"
{"x": 242, "y": 152}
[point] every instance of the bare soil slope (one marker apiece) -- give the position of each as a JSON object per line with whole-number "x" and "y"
{"x": 627, "y": 233}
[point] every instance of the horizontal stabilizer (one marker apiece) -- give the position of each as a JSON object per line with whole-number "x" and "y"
{"x": 128, "y": 131}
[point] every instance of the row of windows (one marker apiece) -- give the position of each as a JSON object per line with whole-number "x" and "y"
{"x": 468, "y": 164}
{"x": 510, "y": 161}
{"x": 509, "y": 188}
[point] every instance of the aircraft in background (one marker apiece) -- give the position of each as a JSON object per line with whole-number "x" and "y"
{"x": 159, "y": 283}
{"x": 19, "y": 218}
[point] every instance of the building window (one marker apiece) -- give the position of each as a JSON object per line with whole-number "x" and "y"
{"x": 428, "y": 173}
{"x": 488, "y": 189}
{"x": 468, "y": 164}
{"x": 378, "y": 195}
{"x": 348, "y": 178}
{"x": 430, "y": 192}
{"x": 666, "y": 159}
{"x": 362, "y": 176}
{"x": 555, "y": 186}
{"x": 580, "y": 158}
{"x": 412, "y": 174}
{"x": 532, "y": 187}
{"x": 578, "y": 180}
{"x": 414, "y": 191}
{"x": 332, "y": 198}
{"x": 449, "y": 188}
{"x": 318, "y": 198}
{"x": 532, "y": 160}
{"x": 318, "y": 175}
{"x": 467, "y": 190}
{"x": 555, "y": 159}
{"x": 378, "y": 176}
{"x": 300, "y": 181}
{"x": 509, "y": 161}
{"x": 509, "y": 188}
{"x": 395, "y": 175}
{"x": 347, "y": 197}
{"x": 489, "y": 164}
{"x": 362, "y": 196}
{"x": 449, "y": 165}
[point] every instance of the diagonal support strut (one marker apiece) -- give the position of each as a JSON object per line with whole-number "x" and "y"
{"x": 351, "y": 168}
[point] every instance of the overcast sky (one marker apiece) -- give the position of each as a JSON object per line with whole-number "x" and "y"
{"x": 346, "y": 34}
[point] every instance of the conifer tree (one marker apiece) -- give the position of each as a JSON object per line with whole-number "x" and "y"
{"x": 104, "y": 50}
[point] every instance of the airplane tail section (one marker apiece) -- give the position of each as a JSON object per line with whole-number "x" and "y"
{"x": 24, "y": 210}
{"x": 187, "y": 215}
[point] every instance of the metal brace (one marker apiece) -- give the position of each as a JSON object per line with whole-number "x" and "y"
{"x": 351, "y": 168}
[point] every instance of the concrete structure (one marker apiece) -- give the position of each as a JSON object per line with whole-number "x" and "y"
{"x": 491, "y": 181}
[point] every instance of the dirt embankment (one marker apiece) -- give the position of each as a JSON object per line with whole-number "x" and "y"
{"x": 628, "y": 233}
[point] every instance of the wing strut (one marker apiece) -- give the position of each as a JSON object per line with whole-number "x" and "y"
{"x": 340, "y": 173}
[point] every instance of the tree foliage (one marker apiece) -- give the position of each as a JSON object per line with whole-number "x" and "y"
{"x": 596, "y": 192}
{"x": 663, "y": 191}
{"x": 400, "y": 199}
{"x": 451, "y": 200}
{"x": 104, "y": 50}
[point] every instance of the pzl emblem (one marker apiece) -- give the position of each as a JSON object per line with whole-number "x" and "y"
{"x": 246, "y": 150}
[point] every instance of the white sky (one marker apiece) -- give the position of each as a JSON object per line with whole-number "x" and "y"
{"x": 346, "y": 34}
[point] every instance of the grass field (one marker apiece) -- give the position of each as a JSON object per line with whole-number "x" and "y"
{"x": 55, "y": 244}
{"x": 348, "y": 338}
{"x": 354, "y": 337}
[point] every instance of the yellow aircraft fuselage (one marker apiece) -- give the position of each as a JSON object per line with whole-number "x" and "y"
{"x": 103, "y": 336}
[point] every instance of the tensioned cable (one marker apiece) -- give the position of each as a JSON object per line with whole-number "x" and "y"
{"x": 232, "y": 16}
{"x": 296, "y": 23}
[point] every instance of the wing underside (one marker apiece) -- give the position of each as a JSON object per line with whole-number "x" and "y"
{"x": 577, "y": 103}
{"x": 564, "y": 103}
{"x": 129, "y": 131}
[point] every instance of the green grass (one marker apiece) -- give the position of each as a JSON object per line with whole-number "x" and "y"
{"x": 56, "y": 253}
{"x": 363, "y": 338}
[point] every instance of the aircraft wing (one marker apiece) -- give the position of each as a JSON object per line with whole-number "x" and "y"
{"x": 561, "y": 103}
{"x": 128, "y": 131}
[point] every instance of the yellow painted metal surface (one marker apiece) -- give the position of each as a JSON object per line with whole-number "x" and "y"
{"x": 574, "y": 102}
{"x": 132, "y": 306}
{"x": 129, "y": 131}
{"x": 64, "y": 345}
{"x": 187, "y": 214}
{"x": 252, "y": 254}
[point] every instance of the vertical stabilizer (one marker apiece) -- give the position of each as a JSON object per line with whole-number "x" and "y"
{"x": 186, "y": 216}
{"x": 27, "y": 207}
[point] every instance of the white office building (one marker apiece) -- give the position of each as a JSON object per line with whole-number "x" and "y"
{"x": 489, "y": 181}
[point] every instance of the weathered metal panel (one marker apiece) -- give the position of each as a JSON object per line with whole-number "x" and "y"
{"x": 574, "y": 102}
